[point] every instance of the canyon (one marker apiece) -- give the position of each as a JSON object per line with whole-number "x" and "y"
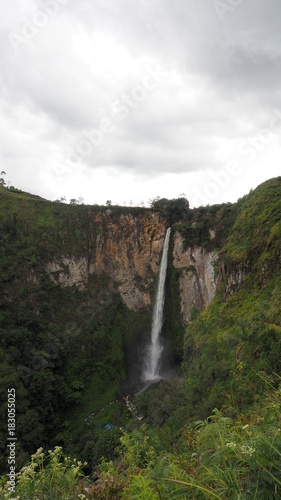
{"x": 77, "y": 290}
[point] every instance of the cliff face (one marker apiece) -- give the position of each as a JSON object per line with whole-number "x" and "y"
{"x": 126, "y": 249}
{"x": 234, "y": 277}
{"x": 197, "y": 281}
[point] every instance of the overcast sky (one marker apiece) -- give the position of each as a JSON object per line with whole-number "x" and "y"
{"x": 126, "y": 100}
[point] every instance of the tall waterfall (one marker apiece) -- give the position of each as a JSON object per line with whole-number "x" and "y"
{"x": 151, "y": 371}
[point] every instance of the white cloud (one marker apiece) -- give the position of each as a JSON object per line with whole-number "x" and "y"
{"x": 220, "y": 87}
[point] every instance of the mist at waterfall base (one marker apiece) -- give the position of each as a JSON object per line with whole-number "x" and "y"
{"x": 153, "y": 370}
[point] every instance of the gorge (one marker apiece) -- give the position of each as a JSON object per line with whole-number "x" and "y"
{"x": 77, "y": 290}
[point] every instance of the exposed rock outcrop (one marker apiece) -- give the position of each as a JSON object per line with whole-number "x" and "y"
{"x": 69, "y": 272}
{"x": 234, "y": 277}
{"x": 125, "y": 248}
{"x": 128, "y": 249}
{"x": 198, "y": 281}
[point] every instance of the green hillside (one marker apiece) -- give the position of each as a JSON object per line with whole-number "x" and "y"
{"x": 238, "y": 336}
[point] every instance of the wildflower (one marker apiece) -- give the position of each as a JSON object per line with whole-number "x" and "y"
{"x": 232, "y": 446}
{"x": 39, "y": 454}
{"x": 247, "y": 450}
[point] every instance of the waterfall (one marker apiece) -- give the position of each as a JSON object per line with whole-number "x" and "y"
{"x": 151, "y": 371}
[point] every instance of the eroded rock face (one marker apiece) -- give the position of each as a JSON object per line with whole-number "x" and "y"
{"x": 198, "y": 281}
{"x": 128, "y": 249}
{"x": 235, "y": 277}
{"x": 125, "y": 248}
{"x": 69, "y": 271}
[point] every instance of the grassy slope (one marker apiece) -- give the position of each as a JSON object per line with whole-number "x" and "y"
{"x": 235, "y": 337}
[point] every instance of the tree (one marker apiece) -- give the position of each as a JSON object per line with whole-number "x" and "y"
{"x": 2, "y": 180}
{"x": 175, "y": 210}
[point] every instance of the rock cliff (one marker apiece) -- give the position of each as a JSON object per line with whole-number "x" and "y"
{"x": 124, "y": 248}
{"x": 197, "y": 281}
{"x": 127, "y": 250}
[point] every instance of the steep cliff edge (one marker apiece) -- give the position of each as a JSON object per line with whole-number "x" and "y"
{"x": 125, "y": 248}
{"x": 197, "y": 281}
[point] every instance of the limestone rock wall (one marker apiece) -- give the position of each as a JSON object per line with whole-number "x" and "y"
{"x": 198, "y": 281}
{"x": 69, "y": 271}
{"x": 126, "y": 248}
{"x": 234, "y": 277}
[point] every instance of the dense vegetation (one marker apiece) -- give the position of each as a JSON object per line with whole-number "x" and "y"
{"x": 212, "y": 430}
{"x": 64, "y": 350}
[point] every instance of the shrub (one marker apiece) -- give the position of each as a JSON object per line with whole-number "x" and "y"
{"x": 48, "y": 476}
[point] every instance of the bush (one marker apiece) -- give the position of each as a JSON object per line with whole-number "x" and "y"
{"x": 48, "y": 476}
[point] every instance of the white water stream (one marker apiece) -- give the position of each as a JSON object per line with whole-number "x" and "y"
{"x": 151, "y": 370}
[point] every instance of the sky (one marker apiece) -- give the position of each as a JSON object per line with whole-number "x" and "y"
{"x": 127, "y": 100}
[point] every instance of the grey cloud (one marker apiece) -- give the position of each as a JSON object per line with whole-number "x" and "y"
{"x": 229, "y": 72}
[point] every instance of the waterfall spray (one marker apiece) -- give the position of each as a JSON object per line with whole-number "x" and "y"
{"x": 151, "y": 371}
